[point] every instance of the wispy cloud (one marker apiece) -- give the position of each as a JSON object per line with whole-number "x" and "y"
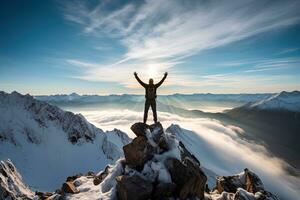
{"x": 289, "y": 50}
{"x": 167, "y": 31}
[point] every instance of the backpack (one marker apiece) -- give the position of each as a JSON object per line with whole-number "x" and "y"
{"x": 151, "y": 92}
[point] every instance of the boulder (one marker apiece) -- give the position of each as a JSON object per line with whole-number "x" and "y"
{"x": 133, "y": 188}
{"x": 164, "y": 190}
{"x": 190, "y": 180}
{"x": 69, "y": 187}
{"x": 139, "y": 128}
{"x": 99, "y": 178}
{"x": 72, "y": 178}
{"x": 138, "y": 152}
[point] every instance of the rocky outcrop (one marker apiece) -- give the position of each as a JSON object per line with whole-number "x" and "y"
{"x": 133, "y": 188}
{"x": 11, "y": 183}
{"x": 138, "y": 152}
{"x": 69, "y": 187}
{"x": 189, "y": 178}
{"x": 241, "y": 185}
{"x": 158, "y": 166}
{"x": 101, "y": 176}
{"x": 154, "y": 159}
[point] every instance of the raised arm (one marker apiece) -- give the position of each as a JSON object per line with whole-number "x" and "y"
{"x": 139, "y": 80}
{"x": 162, "y": 80}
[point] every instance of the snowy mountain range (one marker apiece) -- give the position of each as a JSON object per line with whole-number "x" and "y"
{"x": 74, "y": 97}
{"x": 37, "y": 136}
{"x": 282, "y": 101}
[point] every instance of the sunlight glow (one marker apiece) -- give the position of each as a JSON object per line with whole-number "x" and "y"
{"x": 152, "y": 71}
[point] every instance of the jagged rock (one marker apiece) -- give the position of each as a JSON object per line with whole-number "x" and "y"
{"x": 99, "y": 178}
{"x": 138, "y": 152}
{"x": 189, "y": 178}
{"x": 157, "y": 131}
{"x": 11, "y": 183}
{"x": 253, "y": 182}
{"x": 72, "y": 178}
{"x": 69, "y": 187}
{"x": 90, "y": 173}
{"x": 184, "y": 153}
{"x": 246, "y": 180}
{"x": 163, "y": 190}
{"x": 139, "y": 128}
{"x": 133, "y": 188}
{"x": 228, "y": 184}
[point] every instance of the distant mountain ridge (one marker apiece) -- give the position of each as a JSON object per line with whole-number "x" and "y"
{"x": 281, "y": 101}
{"x": 74, "y": 97}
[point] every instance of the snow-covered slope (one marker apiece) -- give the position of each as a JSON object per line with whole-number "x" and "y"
{"x": 47, "y": 144}
{"x": 11, "y": 183}
{"x": 281, "y": 101}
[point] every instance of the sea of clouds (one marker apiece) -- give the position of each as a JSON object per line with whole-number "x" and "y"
{"x": 219, "y": 147}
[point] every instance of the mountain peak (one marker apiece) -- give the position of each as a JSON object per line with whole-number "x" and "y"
{"x": 289, "y": 101}
{"x": 74, "y": 94}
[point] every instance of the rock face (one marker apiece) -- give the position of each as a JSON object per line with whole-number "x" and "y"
{"x": 11, "y": 183}
{"x": 133, "y": 188}
{"x": 138, "y": 152}
{"x": 189, "y": 178}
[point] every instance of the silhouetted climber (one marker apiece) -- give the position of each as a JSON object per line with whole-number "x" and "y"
{"x": 150, "y": 95}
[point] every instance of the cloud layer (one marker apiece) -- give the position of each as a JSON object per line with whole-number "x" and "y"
{"x": 218, "y": 147}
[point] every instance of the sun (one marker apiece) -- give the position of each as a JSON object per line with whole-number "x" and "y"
{"x": 152, "y": 71}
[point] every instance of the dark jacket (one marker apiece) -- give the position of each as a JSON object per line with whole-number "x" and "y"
{"x": 150, "y": 88}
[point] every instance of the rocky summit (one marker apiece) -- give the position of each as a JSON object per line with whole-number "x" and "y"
{"x": 156, "y": 165}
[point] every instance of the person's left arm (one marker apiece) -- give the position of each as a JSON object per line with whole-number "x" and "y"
{"x": 162, "y": 80}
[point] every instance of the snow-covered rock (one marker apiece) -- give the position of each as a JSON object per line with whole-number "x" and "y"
{"x": 38, "y": 136}
{"x": 281, "y": 101}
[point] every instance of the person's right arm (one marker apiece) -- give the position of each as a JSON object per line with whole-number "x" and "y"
{"x": 139, "y": 80}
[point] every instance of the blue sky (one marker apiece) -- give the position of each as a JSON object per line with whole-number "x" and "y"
{"x": 93, "y": 47}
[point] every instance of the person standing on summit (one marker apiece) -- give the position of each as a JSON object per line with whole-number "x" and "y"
{"x": 150, "y": 95}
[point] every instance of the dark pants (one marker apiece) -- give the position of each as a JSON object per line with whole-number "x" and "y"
{"x": 148, "y": 103}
